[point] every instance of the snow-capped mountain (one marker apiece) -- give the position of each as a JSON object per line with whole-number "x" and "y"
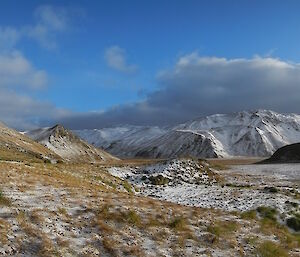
{"x": 124, "y": 141}
{"x": 68, "y": 145}
{"x": 247, "y": 133}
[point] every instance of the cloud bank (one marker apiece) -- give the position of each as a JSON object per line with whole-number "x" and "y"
{"x": 16, "y": 71}
{"x": 197, "y": 86}
{"x": 19, "y": 78}
{"x": 18, "y": 109}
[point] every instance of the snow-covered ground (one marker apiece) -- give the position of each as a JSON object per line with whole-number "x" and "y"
{"x": 277, "y": 172}
{"x": 240, "y": 188}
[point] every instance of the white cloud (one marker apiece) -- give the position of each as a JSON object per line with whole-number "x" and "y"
{"x": 23, "y": 112}
{"x": 9, "y": 36}
{"x": 116, "y": 59}
{"x": 49, "y": 22}
{"x": 52, "y": 18}
{"x": 19, "y": 75}
{"x": 17, "y": 71}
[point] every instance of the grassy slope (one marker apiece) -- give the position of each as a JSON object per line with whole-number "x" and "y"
{"x": 93, "y": 212}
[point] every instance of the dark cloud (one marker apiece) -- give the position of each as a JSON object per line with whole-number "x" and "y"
{"x": 198, "y": 86}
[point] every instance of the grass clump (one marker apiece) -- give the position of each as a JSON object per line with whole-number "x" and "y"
{"x": 271, "y": 190}
{"x": 127, "y": 186}
{"x": 271, "y": 249}
{"x": 294, "y": 223}
{"x": 62, "y": 211}
{"x": 159, "y": 180}
{"x": 249, "y": 215}
{"x": 133, "y": 218}
{"x": 223, "y": 228}
{"x": 121, "y": 216}
{"x": 267, "y": 212}
{"x": 179, "y": 223}
{"x": 3, "y": 200}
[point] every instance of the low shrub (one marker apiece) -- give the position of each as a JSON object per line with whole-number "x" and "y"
{"x": 271, "y": 189}
{"x": 159, "y": 180}
{"x": 267, "y": 212}
{"x": 294, "y": 223}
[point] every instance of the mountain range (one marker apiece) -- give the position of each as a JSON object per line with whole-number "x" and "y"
{"x": 248, "y": 133}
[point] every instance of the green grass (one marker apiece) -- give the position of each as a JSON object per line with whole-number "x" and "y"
{"x": 127, "y": 186}
{"x": 271, "y": 249}
{"x": 133, "y": 218}
{"x": 249, "y": 215}
{"x": 267, "y": 212}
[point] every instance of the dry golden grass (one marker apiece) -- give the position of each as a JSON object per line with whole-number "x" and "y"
{"x": 223, "y": 162}
{"x": 4, "y": 227}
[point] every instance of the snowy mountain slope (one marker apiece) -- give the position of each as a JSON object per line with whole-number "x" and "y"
{"x": 257, "y": 133}
{"x": 248, "y": 133}
{"x": 68, "y": 145}
{"x": 18, "y": 147}
{"x": 122, "y": 141}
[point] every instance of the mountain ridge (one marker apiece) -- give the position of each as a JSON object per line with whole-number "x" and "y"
{"x": 15, "y": 146}
{"x": 68, "y": 145}
{"x": 248, "y": 133}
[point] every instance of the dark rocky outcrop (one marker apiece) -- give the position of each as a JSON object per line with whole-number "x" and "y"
{"x": 286, "y": 154}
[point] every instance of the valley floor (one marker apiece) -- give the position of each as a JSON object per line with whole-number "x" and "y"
{"x": 83, "y": 210}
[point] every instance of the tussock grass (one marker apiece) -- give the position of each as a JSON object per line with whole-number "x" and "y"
{"x": 223, "y": 228}
{"x": 4, "y": 201}
{"x": 110, "y": 246}
{"x": 178, "y": 224}
{"x": 127, "y": 186}
{"x": 4, "y": 226}
{"x": 249, "y": 215}
{"x": 267, "y": 212}
{"x": 271, "y": 249}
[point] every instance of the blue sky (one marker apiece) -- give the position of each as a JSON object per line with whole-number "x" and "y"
{"x": 111, "y": 58}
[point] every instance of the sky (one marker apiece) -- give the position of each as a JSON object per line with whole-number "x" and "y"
{"x": 93, "y": 64}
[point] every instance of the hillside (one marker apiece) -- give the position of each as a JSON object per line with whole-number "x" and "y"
{"x": 286, "y": 154}
{"x": 18, "y": 147}
{"x": 68, "y": 145}
{"x": 248, "y": 133}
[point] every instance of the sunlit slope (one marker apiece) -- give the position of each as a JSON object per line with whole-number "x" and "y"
{"x": 18, "y": 147}
{"x": 68, "y": 145}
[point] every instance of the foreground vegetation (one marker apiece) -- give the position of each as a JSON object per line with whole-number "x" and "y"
{"x": 81, "y": 210}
